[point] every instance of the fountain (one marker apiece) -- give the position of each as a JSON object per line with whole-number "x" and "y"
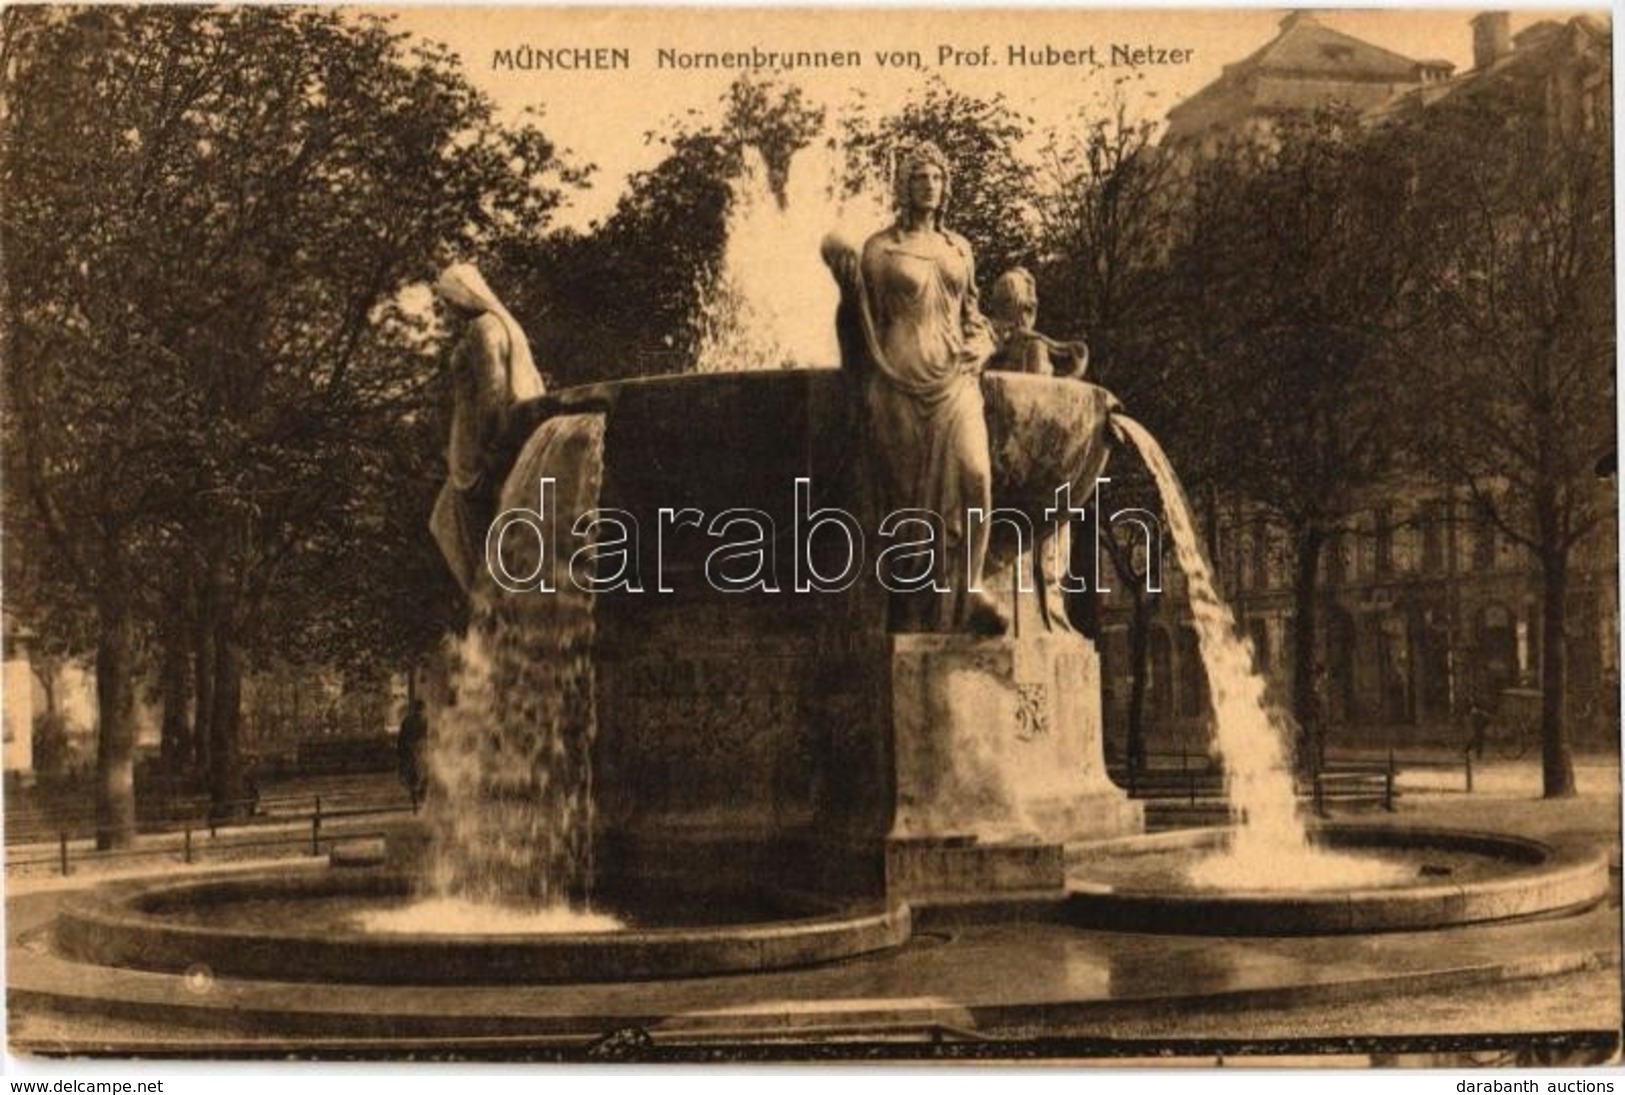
{"x": 770, "y": 304}
{"x": 1271, "y": 874}
{"x": 730, "y": 761}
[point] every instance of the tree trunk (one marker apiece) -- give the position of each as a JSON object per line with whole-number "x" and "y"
{"x": 175, "y": 679}
{"x": 1306, "y": 702}
{"x": 203, "y": 674}
{"x": 115, "y": 703}
{"x": 1083, "y": 606}
{"x": 1139, "y": 645}
{"x": 48, "y": 671}
{"x": 1556, "y": 760}
{"x": 226, "y": 789}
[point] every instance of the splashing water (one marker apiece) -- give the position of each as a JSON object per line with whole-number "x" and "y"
{"x": 443, "y": 915}
{"x": 773, "y": 304}
{"x": 509, "y": 808}
{"x": 1270, "y": 849}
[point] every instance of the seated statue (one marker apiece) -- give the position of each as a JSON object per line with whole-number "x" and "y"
{"x": 912, "y": 331}
{"x": 492, "y": 371}
{"x": 1013, "y": 308}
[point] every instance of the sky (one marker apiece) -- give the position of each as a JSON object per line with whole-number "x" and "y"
{"x": 602, "y": 115}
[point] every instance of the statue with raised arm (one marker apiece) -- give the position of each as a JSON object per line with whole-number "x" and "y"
{"x": 492, "y": 371}
{"x": 910, "y": 326}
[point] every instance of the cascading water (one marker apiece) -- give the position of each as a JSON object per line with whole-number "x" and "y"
{"x": 773, "y": 303}
{"x": 509, "y": 809}
{"x": 1270, "y": 849}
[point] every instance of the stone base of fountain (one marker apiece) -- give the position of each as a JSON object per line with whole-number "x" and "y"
{"x": 790, "y": 737}
{"x": 998, "y": 763}
{"x": 951, "y": 869}
{"x": 1454, "y": 877}
{"x": 299, "y": 927}
{"x": 999, "y": 740}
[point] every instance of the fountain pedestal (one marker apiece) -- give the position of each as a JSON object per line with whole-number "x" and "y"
{"x": 998, "y": 762}
{"x": 781, "y": 735}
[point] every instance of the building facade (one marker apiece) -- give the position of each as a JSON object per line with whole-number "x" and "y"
{"x": 1424, "y": 606}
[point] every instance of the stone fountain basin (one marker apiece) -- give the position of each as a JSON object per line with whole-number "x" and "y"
{"x": 1510, "y": 878}
{"x": 162, "y": 926}
{"x": 718, "y": 440}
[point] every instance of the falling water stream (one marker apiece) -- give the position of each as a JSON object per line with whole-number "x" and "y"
{"x": 1270, "y": 849}
{"x": 509, "y": 809}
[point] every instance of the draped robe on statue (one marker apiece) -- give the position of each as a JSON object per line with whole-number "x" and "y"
{"x": 924, "y": 402}
{"x": 492, "y": 370}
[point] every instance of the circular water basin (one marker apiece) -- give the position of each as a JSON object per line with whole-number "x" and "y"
{"x": 1364, "y": 879}
{"x": 311, "y": 926}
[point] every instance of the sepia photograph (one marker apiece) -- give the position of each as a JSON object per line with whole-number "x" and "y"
{"x": 881, "y": 536}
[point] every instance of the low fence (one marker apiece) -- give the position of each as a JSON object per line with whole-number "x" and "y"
{"x": 43, "y": 810}
{"x": 1169, "y": 776}
{"x": 1363, "y": 783}
{"x": 310, "y": 823}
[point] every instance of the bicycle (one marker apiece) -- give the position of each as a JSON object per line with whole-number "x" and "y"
{"x": 1517, "y": 726}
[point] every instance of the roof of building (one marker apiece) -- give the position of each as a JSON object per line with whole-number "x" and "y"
{"x": 1311, "y": 52}
{"x": 1535, "y": 49}
{"x": 1307, "y": 46}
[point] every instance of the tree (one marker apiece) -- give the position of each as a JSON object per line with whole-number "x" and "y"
{"x": 1516, "y": 357}
{"x": 1139, "y": 558}
{"x": 206, "y": 211}
{"x": 625, "y": 299}
{"x": 1107, "y": 209}
{"x": 981, "y": 139}
{"x": 1291, "y": 279}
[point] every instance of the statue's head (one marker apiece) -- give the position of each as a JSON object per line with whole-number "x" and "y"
{"x": 461, "y": 286}
{"x": 910, "y": 186}
{"x": 1014, "y": 299}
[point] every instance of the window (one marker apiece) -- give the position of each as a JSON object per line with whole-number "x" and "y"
{"x": 1435, "y": 519}
{"x": 1385, "y": 542}
{"x": 1258, "y": 635}
{"x": 1365, "y": 548}
{"x": 1192, "y": 675}
{"x": 1159, "y": 690}
{"x": 1261, "y": 555}
{"x": 1483, "y": 543}
{"x": 1336, "y": 563}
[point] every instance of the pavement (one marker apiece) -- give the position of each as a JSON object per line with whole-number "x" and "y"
{"x": 1012, "y": 986}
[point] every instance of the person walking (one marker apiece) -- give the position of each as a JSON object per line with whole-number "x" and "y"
{"x": 410, "y": 746}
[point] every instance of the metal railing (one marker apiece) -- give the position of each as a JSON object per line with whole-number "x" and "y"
{"x": 300, "y": 827}
{"x": 1373, "y": 781}
{"x": 1194, "y": 774}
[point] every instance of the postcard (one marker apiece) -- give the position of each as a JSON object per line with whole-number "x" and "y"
{"x": 738, "y": 535}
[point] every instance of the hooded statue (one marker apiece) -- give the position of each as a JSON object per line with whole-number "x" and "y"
{"x": 492, "y": 371}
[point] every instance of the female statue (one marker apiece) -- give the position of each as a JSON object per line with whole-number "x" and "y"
{"x": 491, "y": 371}
{"x": 917, "y": 336}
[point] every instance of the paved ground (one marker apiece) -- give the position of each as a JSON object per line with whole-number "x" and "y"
{"x": 998, "y": 980}
{"x": 1116, "y": 992}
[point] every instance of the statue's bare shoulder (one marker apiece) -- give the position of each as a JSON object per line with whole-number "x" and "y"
{"x": 877, "y": 243}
